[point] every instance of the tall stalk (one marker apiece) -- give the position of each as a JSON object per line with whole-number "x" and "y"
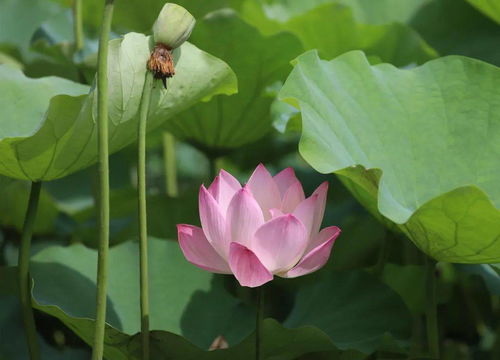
{"x": 170, "y": 164}
{"x": 143, "y": 230}
{"x": 212, "y": 167}
{"x": 103, "y": 163}
{"x": 378, "y": 269}
{"x": 78, "y": 25}
{"x": 258, "y": 323}
{"x": 431, "y": 310}
{"x": 23, "y": 268}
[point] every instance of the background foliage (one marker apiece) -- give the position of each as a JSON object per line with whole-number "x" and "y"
{"x": 414, "y": 143}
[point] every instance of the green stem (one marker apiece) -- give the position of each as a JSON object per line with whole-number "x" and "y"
{"x": 258, "y": 323}
{"x": 212, "y": 164}
{"x": 103, "y": 163}
{"x": 378, "y": 270}
{"x": 170, "y": 164}
{"x": 78, "y": 24}
{"x": 495, "y": 352}
{"x": 416, "y": 343}
{"x": 23, "y": 268}
{"x": 431, "y": 309}
{"x": 143, "y": 229}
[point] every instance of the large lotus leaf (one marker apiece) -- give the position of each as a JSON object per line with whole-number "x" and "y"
{"x": 199, "y": 308}
{"x": 46, "y": 136}
{"x": 13, "y": 344}
{"x": 278, "y": 343}
{"x": 429, "y": 137}
{"x": 333, "y": 30}
{"x": 352, "y": 318}
{"x": 381, "y": 309}
{"x": 489, "y": 7}
{"x": 227, "y": 122}
{"x": 24, "y": 101}
{"x": 196, "y": 307}
{"x": 200, "y": 299}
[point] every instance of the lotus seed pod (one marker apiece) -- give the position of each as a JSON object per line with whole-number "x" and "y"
{"x": 173, "y": 26}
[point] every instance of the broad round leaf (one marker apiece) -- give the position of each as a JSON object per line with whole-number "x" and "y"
{"x": 354, "y": 309}
{"x": 48, "y": 131}
{"x": 199, "y": 308}
{"x": 259, "y": 61}
{"x": 183, "y": 299}
{"x": 429, "y": 139}
{"x": 13, "y": 344}
{"x": 391, "y": 42}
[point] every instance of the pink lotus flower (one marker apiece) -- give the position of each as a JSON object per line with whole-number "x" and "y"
{"x": 264, "y": 228}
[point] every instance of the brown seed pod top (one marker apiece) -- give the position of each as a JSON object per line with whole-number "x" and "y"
{"x": 161, "y": 63}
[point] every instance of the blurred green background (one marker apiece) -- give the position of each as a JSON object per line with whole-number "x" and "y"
{"x": 367, "y": 303}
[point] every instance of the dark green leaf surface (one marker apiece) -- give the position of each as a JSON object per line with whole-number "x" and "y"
{"x": 409, "y": 282}
{"x": 431, "y": 133}
{"x": 227, "y": 122}
{"x": 354, "y": 309}
{"x": 13, "y": 343}
{"x": 198, "y": 308}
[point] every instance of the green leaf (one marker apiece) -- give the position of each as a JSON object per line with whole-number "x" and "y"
{"x": 199, "y": 308}
{"x": 429, "y": 138}
{"x": 24, "y": 101}
{"x": 278, "y": 343}
{"x": 395, "y": 43}
{"x": 354, "y": 309}
{"x": 163, "y": 215}
{"x": 408, "y": 281}
{"x": 13, "y": 344}
{"x": 488, "y": 7}
{"x": 10, "y": 61}
{"x": 228, "y": 122}
{"x": 48, "y": 131}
